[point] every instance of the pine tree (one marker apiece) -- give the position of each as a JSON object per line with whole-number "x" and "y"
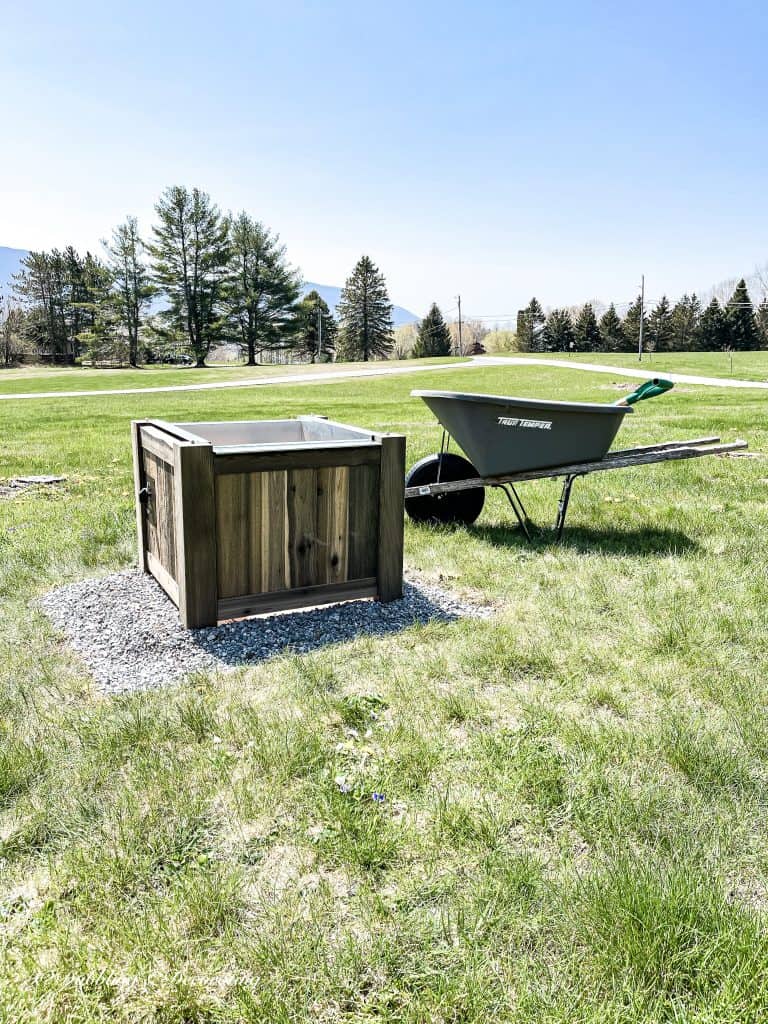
{"x": 740, "y": 317}
{"x": 530, "y": 326}
{"x": 558, "y": 333}
{"x": 761, "y": 322}
{"x": 365, "y": 315}
{"x": 713, "y": 328}
{"x": 41, "y": 289}
{"x": 434, "y": 338}
{"x": 316, "y": 329}
{"x": 660, "y": 327}
{"x": 585, "y": 330}
{"x": 612, "y": 337}
{"x": 190, "y": 264}
{"x": 685, "y": 324}
{"x": 263, "y": 288}
{"x": 631, "y": 327}
{"x": 132, "y": 289}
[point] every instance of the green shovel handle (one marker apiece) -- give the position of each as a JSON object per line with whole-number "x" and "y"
{"x": 650, "y": 389}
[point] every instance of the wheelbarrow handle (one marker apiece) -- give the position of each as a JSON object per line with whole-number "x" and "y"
{"x": 649, "y": 389}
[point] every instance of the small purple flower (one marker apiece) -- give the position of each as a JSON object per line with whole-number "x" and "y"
{"x": 378, "y": 798}
{"x": 344, "y": 787}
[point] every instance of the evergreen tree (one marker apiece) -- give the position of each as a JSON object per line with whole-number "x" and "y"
{"x": 713, "y": 328}
{"x": 660, "y": 327}
{"x": 612, "y": 337}
{"x": 586, "y": 331}
{"x": 761, "y": 322}
{"x": 190, "y": 256}
{"x": 41, "y": 289}
{"x": 132, "y": 289}
{"x": 740, "y": 317}
{"x": 264, "y": 288}
{"x": 632, "y": 327}
{"x": 315, "y": 329}
{"x": 685, "y": 324}
{"x": 530, "y": 326}
{"x": 365, "y": 314}
{"x": 434, "y": 338}
{"x": 558, "y": 333}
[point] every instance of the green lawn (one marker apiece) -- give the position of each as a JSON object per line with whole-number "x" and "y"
{"x": 31, "y": 379}
{"x": 740, "y": 365}
{"x": 576, "y": 789}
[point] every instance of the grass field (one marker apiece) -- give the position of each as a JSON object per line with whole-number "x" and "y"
{"x": 32, "y": 379}
{"x": 576, "y": 789}
{"x": 741, "y": 365}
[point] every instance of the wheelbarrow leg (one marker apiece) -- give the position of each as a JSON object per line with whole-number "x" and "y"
{"x": 517, "y": 507}
{"x": 562, "y": 505}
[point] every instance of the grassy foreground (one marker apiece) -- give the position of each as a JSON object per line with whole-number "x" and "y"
{"x": 573, "y": 827}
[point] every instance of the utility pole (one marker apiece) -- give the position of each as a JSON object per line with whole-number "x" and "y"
{"x": 461, "y": 345}
{"x": 642, "y": 319}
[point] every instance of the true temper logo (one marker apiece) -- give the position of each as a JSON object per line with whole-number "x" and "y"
{"x": 515, "y": 421}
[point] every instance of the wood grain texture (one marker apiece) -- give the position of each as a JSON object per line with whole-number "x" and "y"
{"x": 195, "y": 517}
{"x": 159, "y": 512}
{"x": 302, "y": 527}
{"x": 332, "y": 524}
{"x": 275, "y": 573}
{"x": 300, "y": 597}
{"x": 363, "y": 521}
{"x": 161, "y": 445}
{"x": 391, "y": 512}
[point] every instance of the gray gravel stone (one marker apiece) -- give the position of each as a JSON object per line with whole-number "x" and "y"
{"x": 128, "y": 633}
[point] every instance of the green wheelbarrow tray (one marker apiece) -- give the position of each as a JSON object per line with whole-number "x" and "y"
{"x": 502, "y": 434}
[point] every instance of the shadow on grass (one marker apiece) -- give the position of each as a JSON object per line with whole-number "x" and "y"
{"x": 643, "y": 541}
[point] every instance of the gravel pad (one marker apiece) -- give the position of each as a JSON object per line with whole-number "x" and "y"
{"x": 128, "y": 633}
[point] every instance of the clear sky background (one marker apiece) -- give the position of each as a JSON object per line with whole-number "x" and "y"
{"x": 499, "y": 149}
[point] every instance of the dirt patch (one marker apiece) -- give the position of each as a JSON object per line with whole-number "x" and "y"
{"x": 20, "y": 484}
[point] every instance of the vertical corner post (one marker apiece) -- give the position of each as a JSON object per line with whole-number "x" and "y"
{"x": 195, "y": 514}
{"x": 138, "y": 484}
{"x": 389, "y": 571}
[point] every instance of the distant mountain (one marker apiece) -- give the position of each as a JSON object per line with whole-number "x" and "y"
{"x": 331, "y": 294}
{"x": 10, "y": 261}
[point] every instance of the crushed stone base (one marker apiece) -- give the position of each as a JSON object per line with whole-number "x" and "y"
{"x": 127, "y": 631}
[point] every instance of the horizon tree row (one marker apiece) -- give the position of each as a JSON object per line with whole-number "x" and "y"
{"x": 202, "y": 280}
{"x": 736, "y": 325}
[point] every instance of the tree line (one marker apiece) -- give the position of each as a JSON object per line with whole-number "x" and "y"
{"x": 736, "y": 324}
{"x": 202, "y": 279}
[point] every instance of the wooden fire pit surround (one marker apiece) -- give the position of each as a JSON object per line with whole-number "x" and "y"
{"x": 241, "y": 518}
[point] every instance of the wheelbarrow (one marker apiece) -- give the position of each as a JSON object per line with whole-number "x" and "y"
{"x": 510, "y": 440}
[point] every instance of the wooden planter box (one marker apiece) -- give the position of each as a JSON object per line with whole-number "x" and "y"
{"x": 241, "y": 518}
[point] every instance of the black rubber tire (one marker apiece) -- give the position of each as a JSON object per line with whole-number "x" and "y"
{"x": 453, "y": 507}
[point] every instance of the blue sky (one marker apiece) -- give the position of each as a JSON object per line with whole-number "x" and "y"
{"x": 497, "y": 150}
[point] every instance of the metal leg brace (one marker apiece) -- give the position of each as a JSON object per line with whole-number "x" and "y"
{"x": 562, "y": 505}
{"x": 517, "y": 507}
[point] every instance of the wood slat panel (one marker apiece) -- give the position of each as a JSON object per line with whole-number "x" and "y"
{"x": 232, "y": 535}
{"x": 275, "y": 573}
{"x": 255, "y": 604}
{"x": 332, "y": 524}
{"x": 195, "y": 522}
{"x": 159, "y": 512}
{"x": 391, "y": 519}
{"x": 302, "y": 527}
{"x": 363, "y": 521}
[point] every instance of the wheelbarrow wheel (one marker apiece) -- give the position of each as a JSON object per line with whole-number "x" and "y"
{"x": 451, "y": 507}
